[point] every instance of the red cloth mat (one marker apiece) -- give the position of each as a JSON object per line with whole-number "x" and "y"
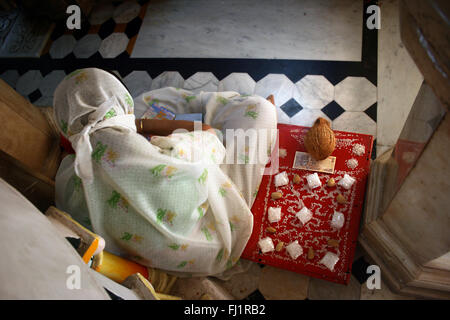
{"x": 322, "y": 203}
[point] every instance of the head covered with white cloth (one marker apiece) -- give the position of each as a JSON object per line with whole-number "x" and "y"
{"x": 154, "y": 202}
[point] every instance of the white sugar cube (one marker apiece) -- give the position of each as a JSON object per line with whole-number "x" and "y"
{"x": 338, "y": 220}
{"x": 294, "y": 249}
{"x": 346, "y": 182}
{"x": 313, "y": 180}
{"x": 266, "y": 245}
{"x": 304, "y": 215}
{"x": 281, "y": 179}
{"x": 274, "y": 214}
{"x": 329, "y": 260}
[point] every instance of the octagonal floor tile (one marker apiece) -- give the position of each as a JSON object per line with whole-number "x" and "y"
{"x": 113, "y": 45}
{"x": 282, "y": 117}
{"x": 126, "y": 11}
{"x": 101, "y": 13}
{"x": 279, "y": 284}
{"x": 62, "y": 46}
{"x": 51, "y": 81}
{"x": 277, "y": 85}
{"x": 138, "y": 82}
{"x": 29, "y": 82}
{"x": 355, "y": 93}
{"x": 358, "y": 122}
{"x": 315, "y": 92}
{"x": 10, "y": 77}
{"x": 307, "y": 117}
{"x": 201, "y": 81}
{"x": 326, "y": 290}
{"x": 168, "y": 79}
{"x": 87, "y": 46}
{"x": 239, "y": 82}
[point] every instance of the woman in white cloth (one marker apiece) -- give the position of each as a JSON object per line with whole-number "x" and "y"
{"x": 171, "y": 203}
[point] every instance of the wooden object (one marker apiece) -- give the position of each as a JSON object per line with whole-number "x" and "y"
{"x": 410, "y": 240}
{"x": 91, "y": 244}
{"x": 425, "y": 32}
{"x": 29, "y": 147}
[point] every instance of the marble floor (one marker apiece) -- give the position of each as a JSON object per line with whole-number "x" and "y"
{"x": 239, "y": 29}
{"x": 317, "y": 60}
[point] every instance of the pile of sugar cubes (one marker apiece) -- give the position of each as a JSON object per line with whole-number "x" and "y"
{"x": 304, "y": 215}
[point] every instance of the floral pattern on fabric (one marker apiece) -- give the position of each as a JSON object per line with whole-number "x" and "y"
{"x": 165, "y": 216}
{"x": 99, "y": 151}
{"x": 117, "y": 201}
{"x": 251, "y": 112}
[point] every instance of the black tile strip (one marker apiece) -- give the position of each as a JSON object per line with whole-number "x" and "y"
{"x": 372, "y": 112}
{"x": 256, "y": 295}
{"x": 359, "y": 270}
{"x": 333, "y": 110}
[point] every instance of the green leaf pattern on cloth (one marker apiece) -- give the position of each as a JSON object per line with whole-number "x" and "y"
{"x": 99, "y": 151}
{"x": 222, "y": 100}
{"x": 165, "y": 216}
{"x": 111, "y": 113}
{"x": 222, "y": 192}
{"x": 174, "y": 246}
{"x": 126, "y": 236}
{"x": 64, "y": 126}
{"x": 207, "y": 233}
{"x": 219, "y": 255}
{"x": 251, "y": 112}
{"x": 77, "y": 183}
{"x": 156, "y": 171}
{"x": 189, "y": 98}
{"x": 114, "y": 200}
{"x": 128, "y": 100}
{"x": 203, "y": 177}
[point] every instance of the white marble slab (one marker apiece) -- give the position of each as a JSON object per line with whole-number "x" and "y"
{"x": 113, "y": 45}
{"x": 399, "y": 80}
{"x": 355, "y": 93}
{"x": 315, "y": 92}
{"x": 277, "y": 85}
{"x": 29, "y": 82}
{"x": 355, "y": 121}
{"x": 87, "y": 46}
{"x": 201, "y": 81}
{"x": 285, "y": 29}
{"x": 138, "y": 82}
{"x": 126, "y": 11}
{"x": 239, "y": 82}
{"x": 62, "y": 46}
{"x": 168, "y": 79}
{"x": 307, "y": 117}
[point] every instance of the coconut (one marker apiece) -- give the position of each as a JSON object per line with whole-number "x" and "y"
{"x": 320, "y": 141}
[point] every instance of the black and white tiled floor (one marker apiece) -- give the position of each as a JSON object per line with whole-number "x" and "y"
{"x": 344, "y": 91}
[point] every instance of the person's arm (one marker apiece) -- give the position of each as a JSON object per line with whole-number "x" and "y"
{"x": 165, "y": 127}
